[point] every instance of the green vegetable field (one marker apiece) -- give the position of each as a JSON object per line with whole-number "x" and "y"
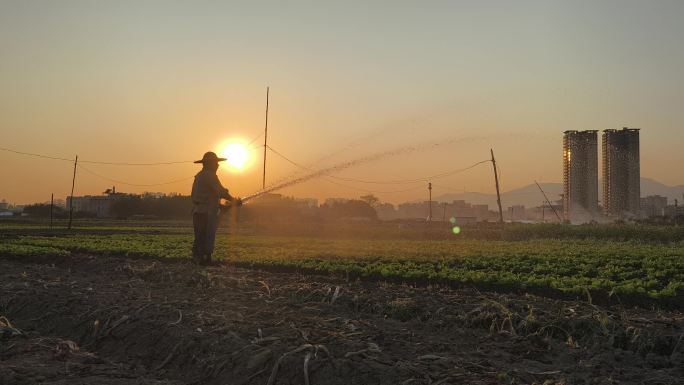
{"x": 629, "y": 271}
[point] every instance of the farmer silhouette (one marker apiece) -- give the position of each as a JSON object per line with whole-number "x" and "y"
{"x": 207, "y": 193}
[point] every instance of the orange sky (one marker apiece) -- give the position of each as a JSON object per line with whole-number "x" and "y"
{"x": 155, "y": 82}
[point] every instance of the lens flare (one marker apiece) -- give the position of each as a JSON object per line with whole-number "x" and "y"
{"x": 237, "y": 155}
{"x": 456, "y": 230}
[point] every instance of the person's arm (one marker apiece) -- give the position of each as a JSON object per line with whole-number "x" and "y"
{"x": 219, "y": 189}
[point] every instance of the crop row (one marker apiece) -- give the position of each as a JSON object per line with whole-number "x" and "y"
{"x": 579, "y": 267}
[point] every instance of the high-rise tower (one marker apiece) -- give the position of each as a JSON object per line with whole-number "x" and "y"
{"x": 621, "y": 173}
{"x": 580, "y": 175}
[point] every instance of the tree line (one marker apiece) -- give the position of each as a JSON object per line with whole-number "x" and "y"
{"x": 180, "y": 207}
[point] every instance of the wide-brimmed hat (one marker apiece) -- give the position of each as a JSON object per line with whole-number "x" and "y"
{"x": 210, "y": 157}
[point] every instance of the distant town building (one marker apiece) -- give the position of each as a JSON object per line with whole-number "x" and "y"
{"x": 100, "y": 205}
{"x": 481, "y": 212}
{"x": 413, "y": 210}
{"x": 441, "y": 211}
{"x": 307, "y": 203}
{"x": 653, "y": 206}
{"x": 580, "y": 175}
{"x": 5, "y": 209}
{"x": 621, "y": 173}
{"x": 517, "y": 213}
{"x": 675, "y": 210}
{"x": 544, "y": 213}
{"x": 462, "y": 221}
{"x": 333, "y": 201}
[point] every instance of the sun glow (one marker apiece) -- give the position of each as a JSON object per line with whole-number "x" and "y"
{"x": 237, "y": 154}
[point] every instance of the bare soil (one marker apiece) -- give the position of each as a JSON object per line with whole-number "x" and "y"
{"x": 109, "y": 320}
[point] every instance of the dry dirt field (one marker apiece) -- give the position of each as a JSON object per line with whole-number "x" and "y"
{"x": 113, "y": 320}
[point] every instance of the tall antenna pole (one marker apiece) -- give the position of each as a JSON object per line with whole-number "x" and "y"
{"x": 549, "y": 202}
{"x": 263, "y": 183}
{"x": 496, "y": 181}
{"x": 71, "y": 201}
{"x": 430, "y": 202}
{"x": 52, "y": 206}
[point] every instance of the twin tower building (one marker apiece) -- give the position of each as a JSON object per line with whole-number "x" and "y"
{"x": 621, "y": 175}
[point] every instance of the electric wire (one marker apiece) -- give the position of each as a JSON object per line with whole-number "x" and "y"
{"x": 461, "y": 190}
{"x": 325, "y": 177}
{"x": 403, "y": 181}
{"x": 133, "y": 184}
{"x": 135, "y": 164}
{"x": 255, "y": 139}
{"x": 93, "y": 161}
{"x": 373, "y": 191}
{"x": 35, "y": 155}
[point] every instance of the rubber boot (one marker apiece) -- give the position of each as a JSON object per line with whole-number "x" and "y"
{"x": 206, "y": 260}
{"x": 197, "y": 258}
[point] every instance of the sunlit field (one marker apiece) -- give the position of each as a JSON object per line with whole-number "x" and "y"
{"x": 639, "y": 270}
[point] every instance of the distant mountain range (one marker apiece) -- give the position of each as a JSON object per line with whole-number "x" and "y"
{"x": 530, "y": 196}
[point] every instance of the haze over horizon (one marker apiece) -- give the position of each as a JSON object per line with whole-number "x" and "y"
{"x": 158, "y": 81}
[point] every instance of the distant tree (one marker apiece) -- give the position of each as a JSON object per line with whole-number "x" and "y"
{"x": 371, "y": 199}
{"x": 42, "y": 210}
{"x": 349, "y": 209}
{"x": 168, "y": 207}
{"x": 84, "y": 215}
{"x": 125, "y": 207}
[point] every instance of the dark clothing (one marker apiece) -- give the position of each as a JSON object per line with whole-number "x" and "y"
{"x": 199, "y": 222}
{"x": 207, "y": 193}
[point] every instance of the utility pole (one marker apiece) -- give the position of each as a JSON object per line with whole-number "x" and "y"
{"x": 71, "y": 201}
{"x": 430, "y": 202}
{"x": 547, "y": 201}
{"x": 52, "y": 205}
{"x": 263, "y": 183}
{"x": 543, "y": 219}
{"x": 496, "y": 181}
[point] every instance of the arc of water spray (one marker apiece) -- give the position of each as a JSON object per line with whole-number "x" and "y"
{"x": 359, "y": 161}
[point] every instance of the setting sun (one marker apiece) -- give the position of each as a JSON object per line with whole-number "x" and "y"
{"x": 237, "y": 155}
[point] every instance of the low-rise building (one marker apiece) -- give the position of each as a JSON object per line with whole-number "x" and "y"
{"x": 653, "y": 206}
{"x": 517, "y": 213}
{"x": 100, "y": 205}
{"x": 674, "y": 210}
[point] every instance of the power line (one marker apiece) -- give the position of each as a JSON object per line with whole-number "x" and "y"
{"x": 92, "y": 161}
{"x": 372, "y": 191}
{"x": 35, "y": 155}
{"x": 133, "y": 184}
{"x": 255, "y": 139}
{"x": 404, "y": 181}
{"x": 136, "y": 164}
{"x": 488, "y": 193}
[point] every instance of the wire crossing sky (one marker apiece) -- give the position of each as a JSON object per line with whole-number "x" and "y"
{"x": 150, "y": 82}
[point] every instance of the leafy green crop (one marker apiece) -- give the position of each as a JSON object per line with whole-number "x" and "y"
{"x": 652, "y": 271}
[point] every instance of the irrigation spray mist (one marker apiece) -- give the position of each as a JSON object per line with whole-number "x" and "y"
{"x": 360, "y": 161}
